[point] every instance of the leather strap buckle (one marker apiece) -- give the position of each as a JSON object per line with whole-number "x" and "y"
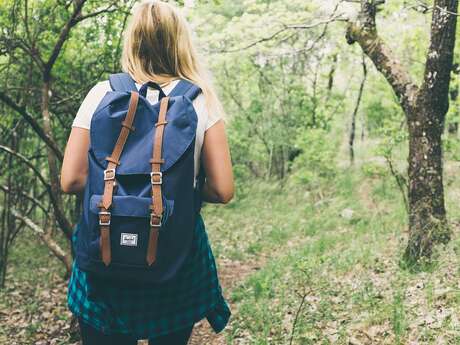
{"x": 156, "y": 173}
{"x": 106, "y": 221}
{"x": 155, "y": 217}
{"x": 109, "y": 174}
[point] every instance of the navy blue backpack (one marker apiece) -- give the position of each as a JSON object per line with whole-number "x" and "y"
{"x": 140, "y": 201}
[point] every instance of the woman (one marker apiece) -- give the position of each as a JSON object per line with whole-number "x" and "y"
{"x": 157, "y": 47}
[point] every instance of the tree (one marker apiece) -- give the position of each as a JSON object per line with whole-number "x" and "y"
{"x": 351, "y": 138}
{"x": 425, "y": 107}
{"x": 45, "y": 66}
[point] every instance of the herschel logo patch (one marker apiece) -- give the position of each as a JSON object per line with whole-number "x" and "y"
{"x": 128, "y": 239}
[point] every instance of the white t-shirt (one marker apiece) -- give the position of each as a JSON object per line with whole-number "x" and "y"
{"x": 206, "y": 119}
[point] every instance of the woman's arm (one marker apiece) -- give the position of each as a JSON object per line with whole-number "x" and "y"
{"x": 75, "y": 166}
{"x": 218, "y": 187}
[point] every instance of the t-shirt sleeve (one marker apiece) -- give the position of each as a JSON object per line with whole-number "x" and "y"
{"x": 89, "y": 105}
{"x": 211, "y": 116}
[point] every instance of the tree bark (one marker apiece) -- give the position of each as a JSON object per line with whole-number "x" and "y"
{"x": 425, "y": 108}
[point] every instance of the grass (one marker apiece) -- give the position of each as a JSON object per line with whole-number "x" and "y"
{"x": 347, "y": 269}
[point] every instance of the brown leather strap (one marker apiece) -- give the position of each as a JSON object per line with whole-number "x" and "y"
{"x": 156, "y": 179}
{"x": 109, "y": 178}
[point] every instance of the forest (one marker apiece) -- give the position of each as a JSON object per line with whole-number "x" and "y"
{"x": 343, "y": 123}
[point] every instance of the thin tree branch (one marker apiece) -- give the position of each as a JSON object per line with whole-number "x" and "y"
{"x": 442, "y": 9}
{"x": 284, "y": 28}
{"x": 33, "y": 123}
{"x": 27, "y": 162}
{"x": 351, "y": 140}
{"x": 78, "y": 5}
{"x": 400, "y": 181}
{"x": 108, "y": 9}
{"x": 47, "y": 240}
{"x": 35, "y": 201}
{"x": 297, "y": 314}
{"x": 336, "y": 18}
{"x": 60, "y": 216}
{"x": 364, "y": 32}
{"x": 10, "y": 44}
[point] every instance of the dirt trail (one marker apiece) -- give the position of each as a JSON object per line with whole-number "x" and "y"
{"x": 230, "y": 273}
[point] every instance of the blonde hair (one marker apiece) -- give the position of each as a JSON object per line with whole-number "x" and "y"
{"x": 158, "y": 47}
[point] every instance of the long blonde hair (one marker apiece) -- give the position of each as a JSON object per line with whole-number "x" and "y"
{"x": 158, "y": 47}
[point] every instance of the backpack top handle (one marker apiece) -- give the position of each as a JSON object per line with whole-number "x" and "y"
{"x": 143, "y": 89}
{"x": 122, "y": 82}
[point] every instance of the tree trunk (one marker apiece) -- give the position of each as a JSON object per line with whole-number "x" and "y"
{"x": 427, "y": 218}
{"x": 351, "y": 138}
{"x": 425, "y": 108}
{"x": 58, "y": 207}
{"x": 427, "y": 214}
{"x": 331, "y": 77}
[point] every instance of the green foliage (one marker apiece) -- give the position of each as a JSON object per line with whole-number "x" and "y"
{"x": 381, "y": 108}
{"x": 374, "y": 170}
{"x": 316, "y": 162}
{"x": 398, "y": 320}
{"x": 452, "y": 148}
{"x": 393, "y": 136}
{"x": 276, "y": 90}
{"x": 303, "y": 223}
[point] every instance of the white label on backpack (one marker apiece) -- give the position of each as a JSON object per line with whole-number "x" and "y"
{"x": 128, "y": 239}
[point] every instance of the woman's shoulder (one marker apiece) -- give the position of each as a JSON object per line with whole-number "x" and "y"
{"x": 207, "y": 114}
{"x": 102, "y": 85}
{"x": 97, "y": 92}
{"x": 88, "y": 106}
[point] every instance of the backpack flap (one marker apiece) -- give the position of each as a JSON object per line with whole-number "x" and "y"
{"x": 106, "y": 125}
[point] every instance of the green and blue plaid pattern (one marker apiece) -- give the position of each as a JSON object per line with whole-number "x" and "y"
{"x": 149, "y": 312}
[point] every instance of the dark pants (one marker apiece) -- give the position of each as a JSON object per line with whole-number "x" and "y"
{"x": 91, "y": 336}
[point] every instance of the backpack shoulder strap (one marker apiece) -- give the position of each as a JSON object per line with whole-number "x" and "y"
{"x": 122, "y": 82}
{"x": 185, "y": 88}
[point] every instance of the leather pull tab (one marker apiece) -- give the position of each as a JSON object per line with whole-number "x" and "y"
{"x": 107, "y": 203}
{"x": 105, "y": 245}
{"x": 108, "y": 193}
{"x": 152, "y": 247}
